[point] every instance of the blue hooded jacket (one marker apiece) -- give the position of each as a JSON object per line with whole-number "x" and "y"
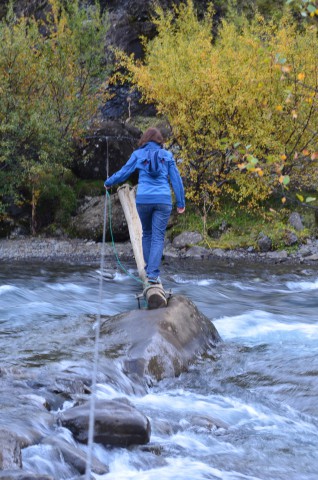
{"x": 156, "y": 168}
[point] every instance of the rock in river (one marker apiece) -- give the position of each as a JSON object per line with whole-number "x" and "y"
{"x": 159, "y": 343}
{"x": 117, "y": 422}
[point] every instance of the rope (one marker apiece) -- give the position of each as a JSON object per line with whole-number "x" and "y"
{"x": 97, "y": 333}
{"x": 96, "y": 352}
{"x": 91, "y": 424}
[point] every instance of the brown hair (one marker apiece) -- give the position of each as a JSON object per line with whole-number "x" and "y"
{"x": 152, "y": 134}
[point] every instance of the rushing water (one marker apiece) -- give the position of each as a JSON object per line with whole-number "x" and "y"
{"x": 249, "y": 411}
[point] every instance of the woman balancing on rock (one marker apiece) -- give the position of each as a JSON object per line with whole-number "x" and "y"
{"x": 157, "y": 168}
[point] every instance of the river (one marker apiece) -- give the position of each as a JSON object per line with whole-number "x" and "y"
{"x": 248, "y": 410}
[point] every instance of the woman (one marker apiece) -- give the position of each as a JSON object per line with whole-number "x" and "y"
{"x": 156, "y": 168}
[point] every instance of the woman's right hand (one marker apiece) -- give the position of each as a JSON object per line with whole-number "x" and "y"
{"x": 180, "y": 210}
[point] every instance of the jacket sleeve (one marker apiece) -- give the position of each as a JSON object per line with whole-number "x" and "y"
{"x": 123, "y": 173}
{"x": 176, "y": 183}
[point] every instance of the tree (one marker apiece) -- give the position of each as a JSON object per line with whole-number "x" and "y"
{"x": 52, "y": 77}
{"x": 240, "y": 113}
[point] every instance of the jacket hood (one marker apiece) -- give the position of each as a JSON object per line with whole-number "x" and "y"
{"x": 153, "y": 165}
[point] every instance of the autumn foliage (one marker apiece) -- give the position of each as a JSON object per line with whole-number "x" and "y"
{"x": 242, "y": 106}
{"x": 52, "y": 80}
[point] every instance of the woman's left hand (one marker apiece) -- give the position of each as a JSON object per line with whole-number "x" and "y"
{"x": 180, "y": 210}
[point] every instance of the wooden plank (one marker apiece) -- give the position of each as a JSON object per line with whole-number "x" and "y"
{"x": 126, "y": 196}
{"x": 154, "y": 295}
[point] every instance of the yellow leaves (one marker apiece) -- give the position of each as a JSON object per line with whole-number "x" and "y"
{"x": 241, "y": 166}
{"x": 259, "y": 171}
{"x": 284, "y": 200}
{"x": 314, "y": 156}
{"x": 231, "y": 89}
{"x": 286, "y": 68}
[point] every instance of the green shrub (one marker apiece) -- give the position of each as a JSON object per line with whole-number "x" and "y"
{"x": 51, "y": 85}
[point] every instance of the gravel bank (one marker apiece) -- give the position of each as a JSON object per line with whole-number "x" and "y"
{"x": 56, "y": 250}
{"x": 81, "y": 251}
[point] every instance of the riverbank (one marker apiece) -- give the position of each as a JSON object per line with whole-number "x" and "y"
{"x": 82, "y": 251}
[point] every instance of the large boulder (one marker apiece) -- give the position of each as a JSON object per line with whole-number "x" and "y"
{"x": 117, "y": 422}
{"x": 88, "y": 223}
{"x": 187, "y": 239}
{"x": 159, "y": 343}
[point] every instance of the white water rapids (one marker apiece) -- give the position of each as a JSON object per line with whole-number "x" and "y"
{"x": 248, "y": 410}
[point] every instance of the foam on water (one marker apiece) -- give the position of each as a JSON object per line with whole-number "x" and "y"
{"x": 7, "y": 288}
{"x": 259, "y": 324}
{"x": 175, "y": 469}
{"x": 179, "y": 404}
{"x": 203, "y": 282}
{"x": 67, "y": 287}
{"x": 303, "y": 285}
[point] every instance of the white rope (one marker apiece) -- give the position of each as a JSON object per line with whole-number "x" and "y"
{"x": 96, "y": 353}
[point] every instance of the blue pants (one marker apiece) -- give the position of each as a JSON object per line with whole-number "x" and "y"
{"x": 154, "y": 220}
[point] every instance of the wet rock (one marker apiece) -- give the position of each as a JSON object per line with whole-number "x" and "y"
{"x": 20, "y": 475}
{"x": 186, "y": 239}
{"x": 197, "y": 252}
{"x": 69, "y": 386}
{"x": 28, "y": 423}
{"x": 296, "y": 221}
{"x": 10, "y": 450}
{"x": 89, "y": 222}
{"x": 160, "y": 343}
{"x": 206, "y": 422}
{"x": 117, "y": 422}
{"x": 74, "y": 456}
{"x": 264, "y": 243}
